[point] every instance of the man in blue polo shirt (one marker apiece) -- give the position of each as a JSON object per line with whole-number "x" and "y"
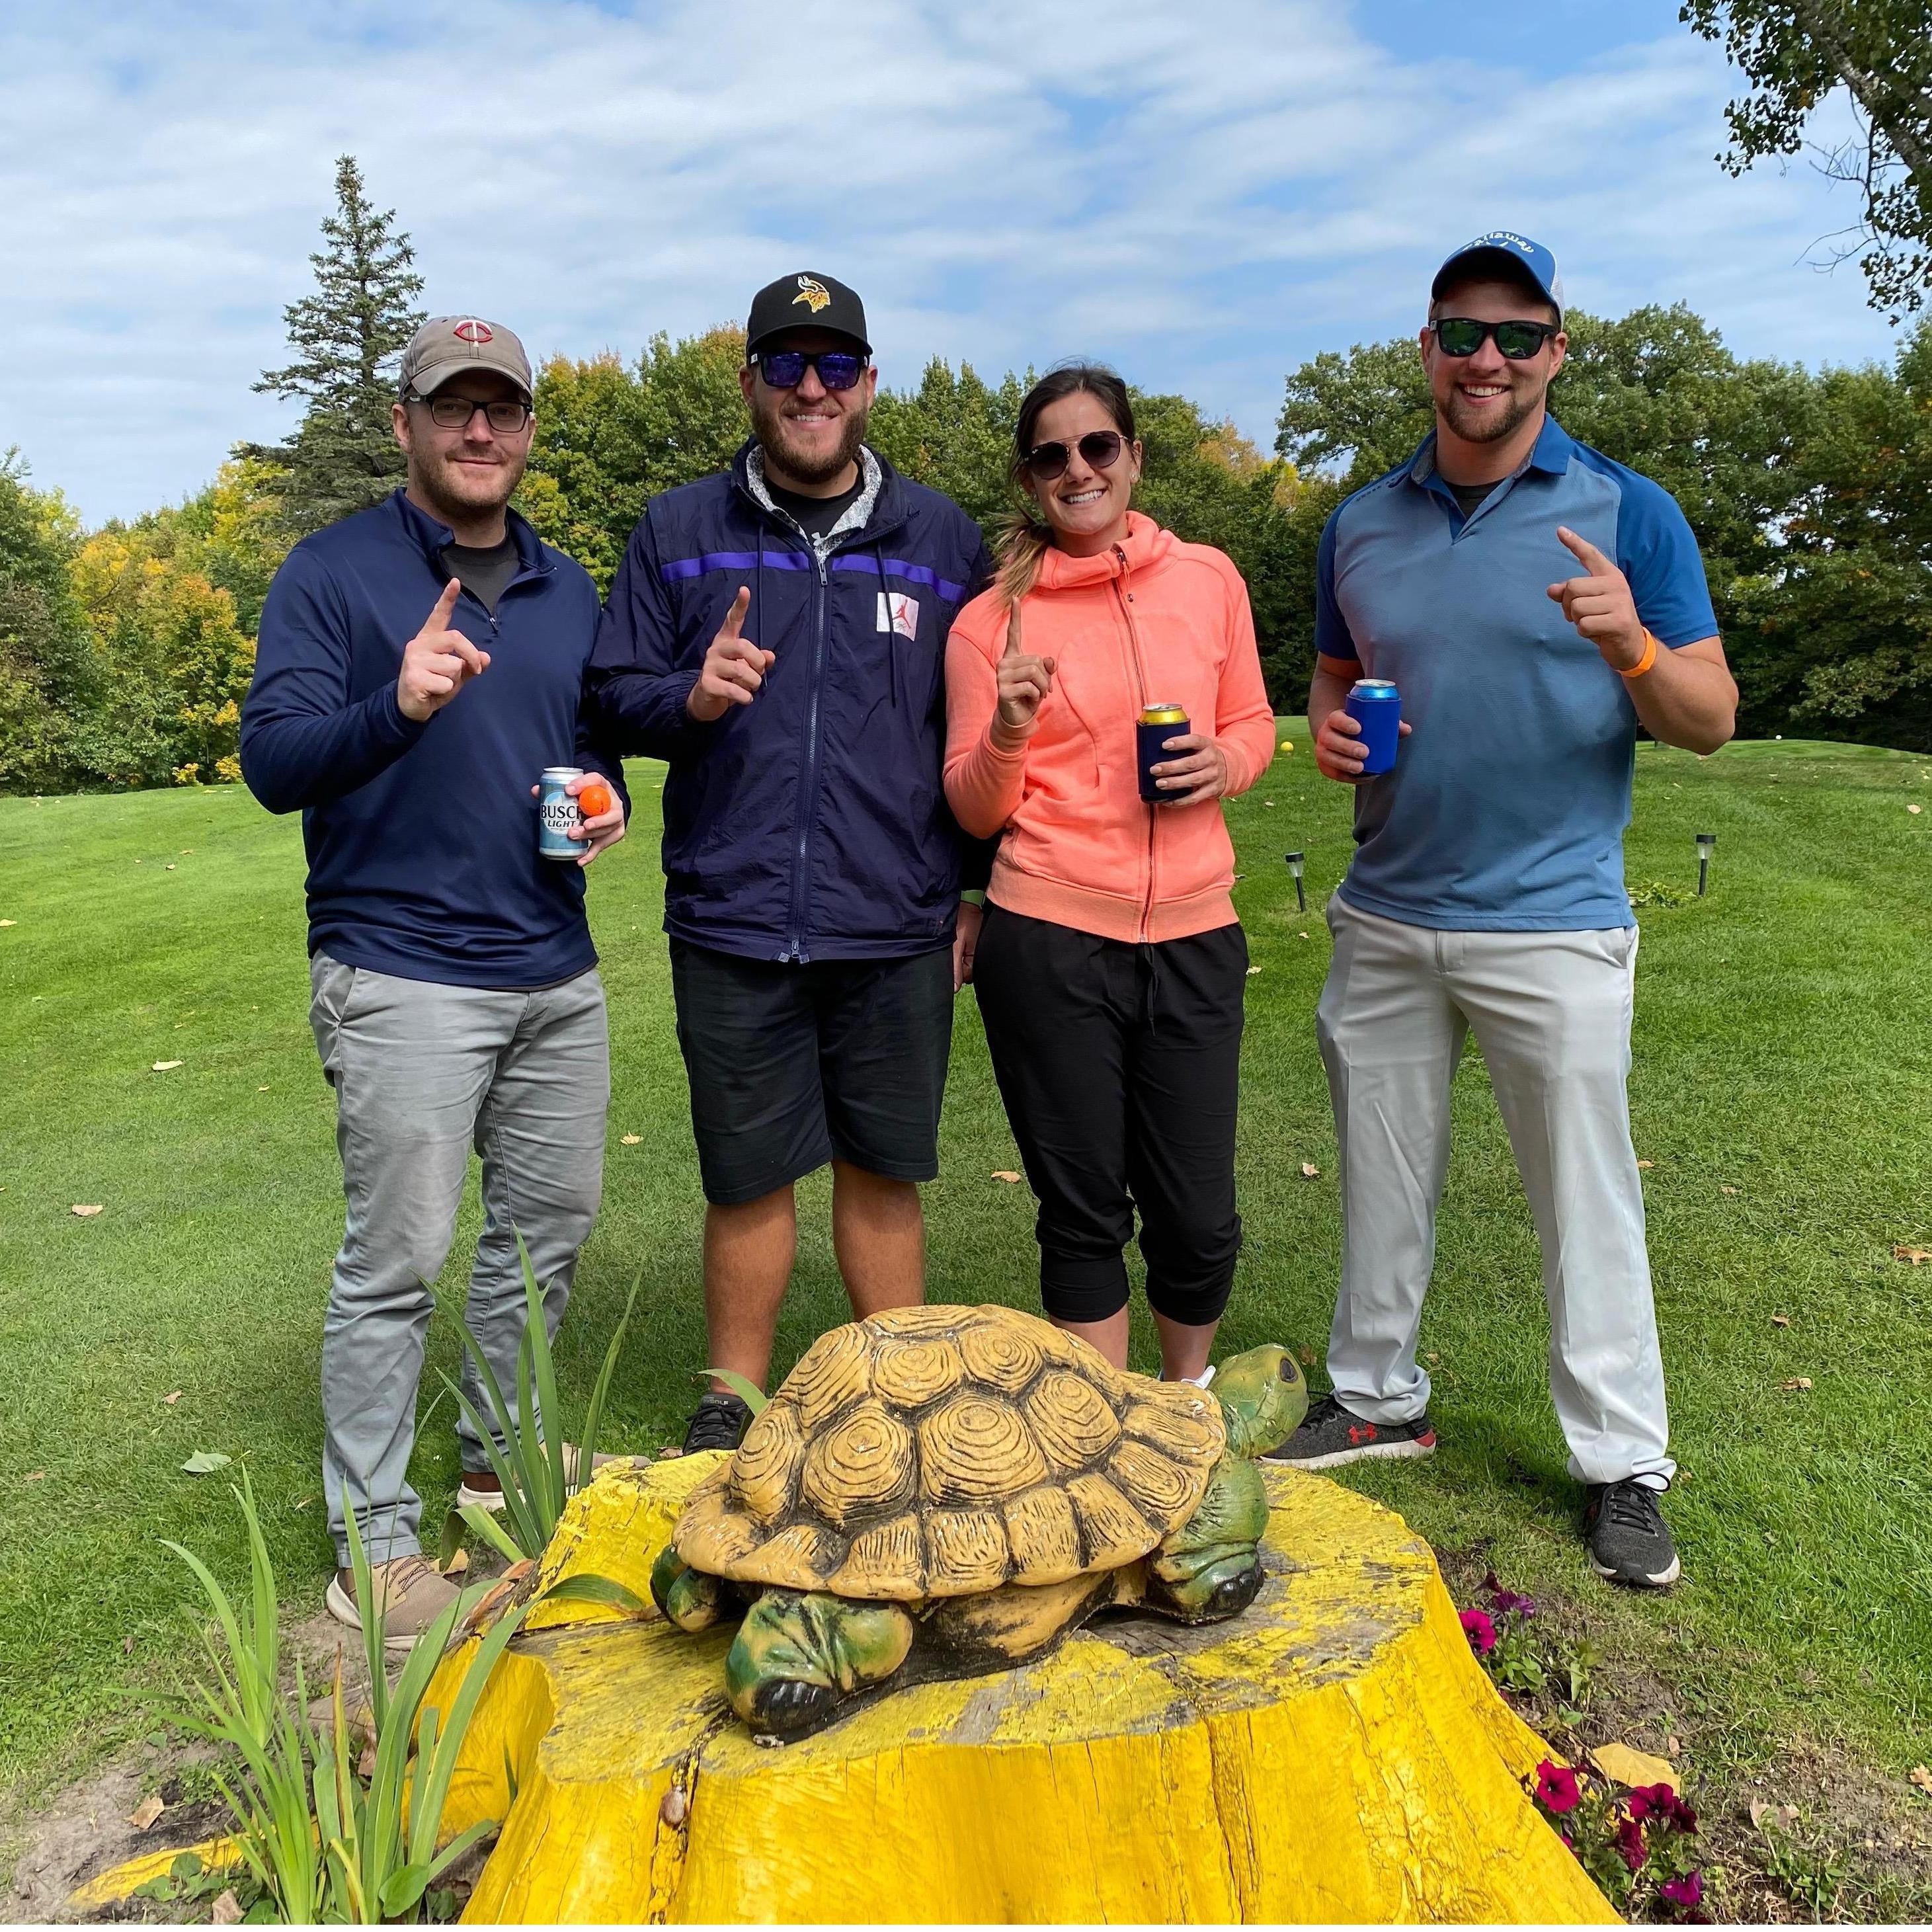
{"x": 1534, "y": 603}
{"x": 418, "y": 666}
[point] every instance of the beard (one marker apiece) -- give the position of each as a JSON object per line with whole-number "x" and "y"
{"x": 1474, "y": 425}
{"x": 806, "y": 465}
{"x": 448, "y": 488}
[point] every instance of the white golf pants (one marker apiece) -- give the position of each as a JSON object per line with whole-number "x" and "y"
{"x": 1551, "y": 1012}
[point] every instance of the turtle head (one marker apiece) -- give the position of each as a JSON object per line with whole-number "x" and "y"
{"x": 1264, "y": 1398}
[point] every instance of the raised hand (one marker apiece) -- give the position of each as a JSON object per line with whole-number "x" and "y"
{"x": 1024, "y": 682}
{"x": 734, "y": 667}
{"x": 1600, "y": 603}
{"x": 437, "y": 662}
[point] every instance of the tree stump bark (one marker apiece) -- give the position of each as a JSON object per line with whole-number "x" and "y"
{"x": 1333, "y": 1753}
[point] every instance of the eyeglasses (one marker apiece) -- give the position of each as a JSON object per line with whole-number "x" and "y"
{"x": 1099, "y": 449}
{"x": 785, "y": 368}
{"x": 506, "y": 419}
{"x": 1459, "y": 336}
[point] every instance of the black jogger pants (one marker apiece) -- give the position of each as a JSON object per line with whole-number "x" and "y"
{"x": 1120, "y": 1066}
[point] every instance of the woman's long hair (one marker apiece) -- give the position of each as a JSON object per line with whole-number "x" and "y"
{"x": 1025, "y": 538}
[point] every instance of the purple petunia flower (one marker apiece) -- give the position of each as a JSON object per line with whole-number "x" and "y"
{"x": 1685, "y": 1891}
{"x": 1556, "y": 1787}
{"x": 1631, "y": 1846}
{"x": 1481, "y": 1633}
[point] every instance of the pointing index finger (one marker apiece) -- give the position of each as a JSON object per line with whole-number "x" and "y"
{"x": 734, "y": 618}
{"x": 1586, "y": 552}
{"x": 1013, "y": 630}
{"x": 438, "y": 618}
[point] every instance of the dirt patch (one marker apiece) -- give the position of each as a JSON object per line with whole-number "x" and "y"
{"x": 1838, "y": 1840}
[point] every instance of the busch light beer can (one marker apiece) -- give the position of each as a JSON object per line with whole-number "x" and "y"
{"x": 1157, "y": 724}
{"x": 557, "y": 814}
{"x": 1375, "y": 705}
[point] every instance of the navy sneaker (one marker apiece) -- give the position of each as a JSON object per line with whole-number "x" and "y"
{"x": 1330, "y": 1435}
{"x": 719, "y": 1422}
{"x": 1629, "y": 1540}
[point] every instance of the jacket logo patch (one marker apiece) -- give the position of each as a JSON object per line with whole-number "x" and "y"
{"x": 898, "y": 612}
{"x": 815, "y": 294}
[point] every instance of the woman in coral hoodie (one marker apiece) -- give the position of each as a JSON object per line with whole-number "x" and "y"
{"x": 1110, "y": 969}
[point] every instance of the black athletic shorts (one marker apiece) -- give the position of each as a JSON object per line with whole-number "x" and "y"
{"x": 792, "y": 1066}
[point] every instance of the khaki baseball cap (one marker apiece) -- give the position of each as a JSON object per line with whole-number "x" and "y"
{"x": 457, "y": 345}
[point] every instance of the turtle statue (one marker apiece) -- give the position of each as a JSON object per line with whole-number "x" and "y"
{"x": 937, "y": 1492}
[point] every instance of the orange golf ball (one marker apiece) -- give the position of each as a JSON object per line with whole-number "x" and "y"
{"x": 595, "y": 799}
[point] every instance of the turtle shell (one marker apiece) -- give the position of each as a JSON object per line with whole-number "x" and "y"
{"x": 935, "y": 1452}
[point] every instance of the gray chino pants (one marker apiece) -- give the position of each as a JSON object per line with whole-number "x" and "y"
{"x": 422, "y": 1072}
{"x": 1551, "y": 1012}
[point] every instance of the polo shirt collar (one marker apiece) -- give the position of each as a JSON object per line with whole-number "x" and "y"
{"x": 1550, "y": 453}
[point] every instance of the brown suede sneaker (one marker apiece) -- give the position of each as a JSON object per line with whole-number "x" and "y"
{"x": 409, "y": 1591}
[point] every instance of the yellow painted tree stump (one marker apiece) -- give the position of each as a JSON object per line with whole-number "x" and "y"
{"x": 1333, "y": 1753}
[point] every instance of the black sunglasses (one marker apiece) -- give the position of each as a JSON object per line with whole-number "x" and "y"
{"x": 1459, "y": 336}
{"x": 785, "y": 368}
{"x": 1099, "y": 449}
{"x": 506, "y": 419}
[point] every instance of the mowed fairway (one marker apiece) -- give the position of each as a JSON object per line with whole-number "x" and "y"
{"x": 1781, "y": 1094}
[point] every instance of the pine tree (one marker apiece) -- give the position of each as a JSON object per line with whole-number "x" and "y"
{"x": 346, "y": 337}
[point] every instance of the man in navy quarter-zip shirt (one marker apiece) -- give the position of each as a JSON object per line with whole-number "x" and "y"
{"x": 777, "y": 633}
{"x": 418, "y": 666}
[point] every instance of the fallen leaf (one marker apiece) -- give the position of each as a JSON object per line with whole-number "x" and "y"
{"x": 1301, "y": 935}
{"x": 1780, "y": 1321}
{"x": 1920, "y": 1777}
{"x": 204, "y": 1462}
{"x": 1646, "y": 1163}
{"x": 365, "y": 1765}
{"x": 9, "y": 921}
{"x": 1252, "y": 970}
{"x": 1914, "y": 1256}
{"x": 1307, "y": 1358}
{"x": 167, "y": 868}
{"x": 1269, "y": 803}
{"x": 1310, "y": 1170}
{"x": 1796, "y": 1382}
{"x": 1433, "y": 1356}
{"x": 1915, "y": 809}
{"x": 261, "y": 1089}
{"x": 145, "y": 1814}
{"x": 227, "y": 1909}
{"x": 1674, "y": 1744}
{"x": 457, "y": 1564}
{"x": 1622, "y": 1766}
{"x": 632, "y": 1140}
{"x": 168, "y": 1065}
{"x": 86, "y": 1213}
{"x": 1729, "y": 1190}
{"x": 1006, "y": 1174}
{"x": 34, "y": 1476}
{"x": 127, "y": 1645}
{"x": 171, "y": 1399}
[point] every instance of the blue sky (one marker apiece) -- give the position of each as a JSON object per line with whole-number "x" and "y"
{"x": 1205, "y": 194}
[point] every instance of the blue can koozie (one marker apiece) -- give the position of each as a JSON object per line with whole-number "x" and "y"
{"x": 1375, "y": 705}
{"x": 1157, "y": 724}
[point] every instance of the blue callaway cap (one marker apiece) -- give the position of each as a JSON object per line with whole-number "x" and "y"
{"x": 1515, "y": 257}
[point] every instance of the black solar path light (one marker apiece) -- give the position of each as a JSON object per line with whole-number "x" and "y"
{"x": 1295, "y": 860}
{"x": 1707, "y": 844}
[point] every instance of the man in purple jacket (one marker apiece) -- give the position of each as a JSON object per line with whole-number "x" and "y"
{"x": 777, "y": 633}
{"x": 418, "y": 666}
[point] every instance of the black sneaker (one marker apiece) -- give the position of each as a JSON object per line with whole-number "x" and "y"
{"x": 1330, "y": 1435}
{"x": 720, "y": 1423}
{"x": 1629, "y": 1539}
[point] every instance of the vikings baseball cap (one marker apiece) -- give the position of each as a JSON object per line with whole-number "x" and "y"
{"x": 1512, "y": 257}
{"x": 805, "y": 301}
{"x": 458, "y": 345}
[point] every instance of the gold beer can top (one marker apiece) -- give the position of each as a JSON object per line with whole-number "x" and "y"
{"x": 1164, "y": 714}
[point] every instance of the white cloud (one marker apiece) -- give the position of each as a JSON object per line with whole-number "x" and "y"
{"x": 1207, "y": 194}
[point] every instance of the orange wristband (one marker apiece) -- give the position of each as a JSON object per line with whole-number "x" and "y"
{"x": 1649, "y": 657}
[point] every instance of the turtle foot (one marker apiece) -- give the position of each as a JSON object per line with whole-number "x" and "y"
{"x": 791, "y": 1707}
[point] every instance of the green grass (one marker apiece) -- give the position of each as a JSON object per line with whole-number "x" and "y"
{"x": 1781, "y": 1053}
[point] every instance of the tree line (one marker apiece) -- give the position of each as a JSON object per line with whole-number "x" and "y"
{"x": 125, "y": 651}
